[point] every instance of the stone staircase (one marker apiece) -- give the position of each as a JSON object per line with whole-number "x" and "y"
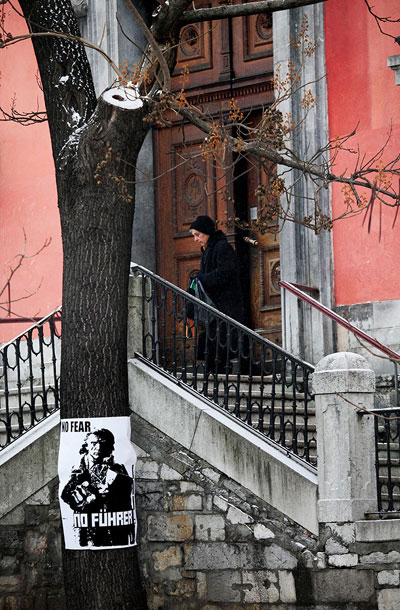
{"x": 29, "y": 392}
{"x": 266, "y": 406}
{"x": 389, "y": 455}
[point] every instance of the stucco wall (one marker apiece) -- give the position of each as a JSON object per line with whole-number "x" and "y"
{"x": 28, "y": 198}
{"x": 362, "y": 90}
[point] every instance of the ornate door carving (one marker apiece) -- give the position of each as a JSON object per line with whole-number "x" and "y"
{"x": 227, "y": 58}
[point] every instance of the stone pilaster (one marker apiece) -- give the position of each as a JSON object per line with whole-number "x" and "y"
{"x": 346, "y": 456}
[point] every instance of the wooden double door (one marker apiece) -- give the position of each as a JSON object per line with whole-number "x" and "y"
{"x": 190, "y": 184}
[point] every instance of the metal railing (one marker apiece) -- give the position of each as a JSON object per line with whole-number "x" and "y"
{"x": 387, "y": 421}
{"x": 246, "y": 375}
{"x": 387, "y": 456}
{"x": 29, "y": 378}
{"x": 393, "y": 356}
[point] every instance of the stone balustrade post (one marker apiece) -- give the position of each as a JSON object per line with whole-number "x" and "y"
{"x": 346, "y": 449}
{"x": 134, "y": 315}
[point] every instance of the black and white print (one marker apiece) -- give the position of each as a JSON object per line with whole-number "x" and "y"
{"x": 96, "y": 469}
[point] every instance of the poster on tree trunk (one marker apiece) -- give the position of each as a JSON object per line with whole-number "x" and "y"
{"x": 96, "y": 468}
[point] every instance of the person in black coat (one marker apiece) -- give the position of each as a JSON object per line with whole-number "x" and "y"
{"x": 219, "y": 276}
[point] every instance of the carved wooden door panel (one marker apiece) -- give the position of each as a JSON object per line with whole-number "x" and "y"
{"x": 187, "y": 188}
{"x": 265, "y": 293}
{"x": 226, "y": 59}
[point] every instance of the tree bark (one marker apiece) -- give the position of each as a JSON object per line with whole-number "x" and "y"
{"x": 96, "y": 231}
{"x": 242, "y": 10}
{"x": 96, "y": 219}
{"x": 95, "y": 147}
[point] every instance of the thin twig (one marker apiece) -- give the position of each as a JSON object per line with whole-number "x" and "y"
{"x": 153, "y": 43}
{"x": 378, "y": 415}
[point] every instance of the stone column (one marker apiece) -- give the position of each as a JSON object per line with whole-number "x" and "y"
{"x": 306, "y": 258}
{"x": 135, "y": 315}
{"x": 346, "y": 450}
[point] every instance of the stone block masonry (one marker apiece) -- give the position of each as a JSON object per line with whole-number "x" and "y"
{"x": 30, "y": 554}
{"x": 204, "y": 541}
{"x": 207, "y": 543}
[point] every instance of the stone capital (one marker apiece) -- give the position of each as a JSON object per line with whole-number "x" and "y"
{"x": 343, "y": 372}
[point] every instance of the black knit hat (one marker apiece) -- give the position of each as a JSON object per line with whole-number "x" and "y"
{"x": 204, "y": 224}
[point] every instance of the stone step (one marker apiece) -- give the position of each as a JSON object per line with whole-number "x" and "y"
{"x": 242, "y": 380}
{"x": 233, "y": 389}
{"x": 25, "y": 396}
{"x": 21, "y": 422}
{"x": 395, "y": 478}
{"x": 30, "y": 359}
{"x": 282, "y": 407}
{"x": 394, "y": 450}
{"x": 36, "y": 374}
{"x": 16, "y": 408}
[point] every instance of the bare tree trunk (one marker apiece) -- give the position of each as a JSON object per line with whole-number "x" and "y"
{"x": 96, "y": 217}
{"x": 96, "y": 229}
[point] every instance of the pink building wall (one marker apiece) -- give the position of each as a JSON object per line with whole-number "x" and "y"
{"x": 362, "y": 88}
{"x": 28, "y": 198}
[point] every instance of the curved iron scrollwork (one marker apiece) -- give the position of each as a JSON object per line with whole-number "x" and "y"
{"x": 29, "y": 378}
{"x": 387, "y": 455}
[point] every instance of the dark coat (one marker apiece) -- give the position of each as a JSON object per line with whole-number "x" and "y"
{"x": 220, "y": 276}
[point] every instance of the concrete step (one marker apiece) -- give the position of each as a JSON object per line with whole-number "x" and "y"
{"x": 30, "y": 359}
{"x": 26, "y": 375}
{"x": 27, "y": 395}
{"x": 232, "y": 394}
{"x": 23, "y": 408}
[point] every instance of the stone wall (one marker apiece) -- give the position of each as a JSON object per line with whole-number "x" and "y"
{"x": 205, "y": 541}
{"x": 30, "y": 554}
{"x": 362, "y": 562}
{"x": 208, "y": 543}
{"x": 381, "y": 320}
{"x": 208, "y": 540}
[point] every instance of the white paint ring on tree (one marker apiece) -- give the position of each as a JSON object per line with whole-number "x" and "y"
{"x": 124, "y": 97}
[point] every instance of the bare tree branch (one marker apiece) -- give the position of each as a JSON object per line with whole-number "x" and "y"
{"x": 12, "y": 270}
{"x": 242, "y": 10}
{"x": 20, "y": 259}
{"x": 10, "y": 40}
{"x": 379, "y": 20}
{"x": 150, "y": 39}
{"x": 23, "y": 118}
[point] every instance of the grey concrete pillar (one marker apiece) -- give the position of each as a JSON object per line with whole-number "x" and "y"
{"x": 134, "y": 315}
{"x": 306, "y": 258}
{"x": 346, "y": 451}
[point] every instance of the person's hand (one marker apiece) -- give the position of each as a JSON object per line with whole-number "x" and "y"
{"x": 83, "y": 495}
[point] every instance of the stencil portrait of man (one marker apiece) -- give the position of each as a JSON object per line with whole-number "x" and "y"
{"x": 100, "y": 492}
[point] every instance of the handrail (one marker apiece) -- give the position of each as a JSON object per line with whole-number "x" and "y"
{"x": 240, "y": 371}
{"x": 55, "y": 314}
{"x": 29, "y": 378}
{"x": 218, "y": 314}
{"x": 340, "y": 320}
{"x": 19, "y": 320}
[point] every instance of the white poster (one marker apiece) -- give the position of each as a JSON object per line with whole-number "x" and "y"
{"x": 96, "y": 468}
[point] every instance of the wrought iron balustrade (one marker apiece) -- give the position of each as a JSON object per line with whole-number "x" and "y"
{"x": 243, "y": 373}
{"x": 387, "y": 421}
{"x": 29, "y": 378}
{"x": 387, "y": 456}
